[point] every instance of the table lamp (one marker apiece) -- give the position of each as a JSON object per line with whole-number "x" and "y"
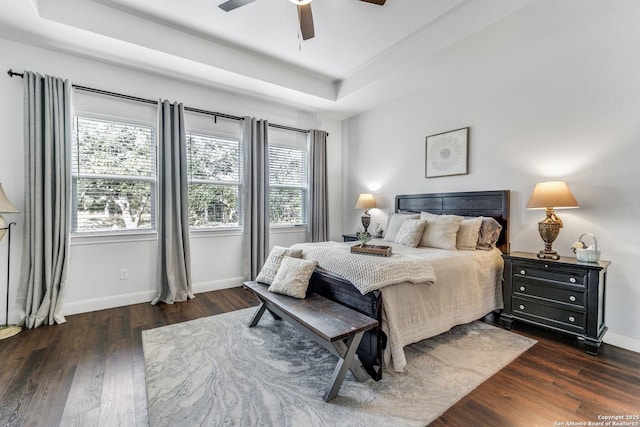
{"x": 366, "y": 202}
{"x": 550, "y": 195}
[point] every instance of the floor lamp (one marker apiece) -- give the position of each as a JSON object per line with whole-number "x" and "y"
{"x": 6, "y": 206}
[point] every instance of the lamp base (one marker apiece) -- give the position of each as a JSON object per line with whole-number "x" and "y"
{"x": 549, "y": 229}
{"x": 366, "y": 221}
{"x": 544, "y": 254}
{"x": 9, "y": 331}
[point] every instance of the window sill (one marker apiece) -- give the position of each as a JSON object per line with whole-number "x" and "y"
{"x": 296, "y": 228}
{"x": 203, "y": 232}
{"x": 152, "y": 235}
{"x": 109, "y": 238}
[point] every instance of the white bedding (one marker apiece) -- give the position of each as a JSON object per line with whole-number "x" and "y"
{"x": 468, "y": 286}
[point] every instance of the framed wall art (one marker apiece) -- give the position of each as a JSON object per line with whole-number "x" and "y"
{"x": 447, "y": 153}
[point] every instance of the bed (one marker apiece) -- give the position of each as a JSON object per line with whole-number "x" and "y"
{"x": 384, "y": 344}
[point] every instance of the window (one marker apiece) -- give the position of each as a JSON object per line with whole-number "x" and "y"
{"x": 114, "y": 175}
{"x": 214, "y": 180}
{"x": 289, "y": 184}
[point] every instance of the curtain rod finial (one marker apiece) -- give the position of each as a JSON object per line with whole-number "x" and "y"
{"x": 13, "y": 73}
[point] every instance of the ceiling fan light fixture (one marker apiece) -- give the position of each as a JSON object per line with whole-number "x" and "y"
{"x": 300, "y": 2}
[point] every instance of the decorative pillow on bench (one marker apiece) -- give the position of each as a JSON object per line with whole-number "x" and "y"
{"x": 271, "y": 265}
{"x": 293, "y": 277}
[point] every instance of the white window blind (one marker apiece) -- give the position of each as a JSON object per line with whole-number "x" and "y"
{"x": 215, "y": 174}
{"x": 114, "y": 175}
{"x": 289, "y": 184}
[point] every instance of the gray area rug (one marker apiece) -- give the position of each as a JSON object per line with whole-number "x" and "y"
{"x": 216, "y": 371}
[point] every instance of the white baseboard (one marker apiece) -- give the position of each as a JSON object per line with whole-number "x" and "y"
{"x": 86, "y": 306}
{"x": 96, "y": 304}
{"x": 622, "y": 341}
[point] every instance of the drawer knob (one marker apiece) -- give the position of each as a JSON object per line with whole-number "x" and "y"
{"x": 572, "y": 298}
{"x": 572, "y": 280}
{"x": 522, "y": 288}
{"x": 523, "y": 272}
{"x": 521, "y": 306}
{"x": 572, "y": 319}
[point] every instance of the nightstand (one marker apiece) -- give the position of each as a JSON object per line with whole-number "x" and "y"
{"x": 349, "y": 238}
{"x": 564, "y": 295}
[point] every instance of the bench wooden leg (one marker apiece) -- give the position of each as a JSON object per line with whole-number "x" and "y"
{"x": 356, "y": 367}
{"x": 274, "y": 315}
{"x": 257, "y": 315}
{"x": 341, "y": 367}
{"x": 259, "y": 312}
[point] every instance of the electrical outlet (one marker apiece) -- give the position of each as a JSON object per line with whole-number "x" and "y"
{"x": 124, "y": 274}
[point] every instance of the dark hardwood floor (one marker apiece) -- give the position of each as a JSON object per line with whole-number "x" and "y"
{"x": 90, "y": 372}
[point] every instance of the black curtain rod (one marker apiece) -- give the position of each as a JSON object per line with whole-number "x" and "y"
{"x": 150, "y": 101}
{"x": 116, "y": 95}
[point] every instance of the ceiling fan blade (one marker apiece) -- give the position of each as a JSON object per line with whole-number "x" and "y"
{"x": 306, "y": 21}
{"x": 379, "y": 2}
{"x": 233, "y": 4}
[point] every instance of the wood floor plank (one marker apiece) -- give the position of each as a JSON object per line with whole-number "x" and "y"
{"x": 140, "y": 393}
{"x": 118, "y": 396}
{"x": 90, "y": 371}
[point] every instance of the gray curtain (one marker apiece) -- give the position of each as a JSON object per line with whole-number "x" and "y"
{"x": 318, "y": 195}
{"x": 255, "y": 206}
{"x": 174, "y": 255}
{"x": 47, "y": 210}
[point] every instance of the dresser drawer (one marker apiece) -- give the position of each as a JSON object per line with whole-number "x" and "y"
{"x": 571, "y": 277}
{"x": 526, "y": 286}
{"x": 549, "y": 314}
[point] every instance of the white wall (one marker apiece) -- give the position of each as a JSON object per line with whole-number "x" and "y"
{"x": 562, "y": 105}
{"x": 94, "y": 277}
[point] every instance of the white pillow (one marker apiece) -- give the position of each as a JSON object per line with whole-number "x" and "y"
{"x": 271, "y": 265}
{"x": 468, "y": 233}
{"x": 410, "y": 232}
{"x": 293, "y": 277}
{"x": 441, "y": 231}
{"x": 394, "y": 223}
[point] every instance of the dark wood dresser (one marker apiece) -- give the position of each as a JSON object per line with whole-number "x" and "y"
{"x": 565, "y": 295}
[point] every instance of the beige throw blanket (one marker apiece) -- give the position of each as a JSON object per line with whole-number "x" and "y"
{"x": 366, "y": 272}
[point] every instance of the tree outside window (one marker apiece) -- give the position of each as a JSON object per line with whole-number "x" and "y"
{"x": 289, "y": 184}
{"x": 214, "y": 181}
{"x": 114, "y": 176}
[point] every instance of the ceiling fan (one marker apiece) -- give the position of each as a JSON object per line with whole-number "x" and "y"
{"x": 305, "y": 17}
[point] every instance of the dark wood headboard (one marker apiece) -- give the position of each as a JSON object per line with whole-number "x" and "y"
{"x": 472, "y": 203}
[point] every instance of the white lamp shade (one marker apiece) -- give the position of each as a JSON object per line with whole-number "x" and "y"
{"x": 365, "y": 201}
{"x": 5, "y": 205}
{"x": 551, "y": 194}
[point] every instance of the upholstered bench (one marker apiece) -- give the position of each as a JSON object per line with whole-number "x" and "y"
{"x": 336, "y": 327}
